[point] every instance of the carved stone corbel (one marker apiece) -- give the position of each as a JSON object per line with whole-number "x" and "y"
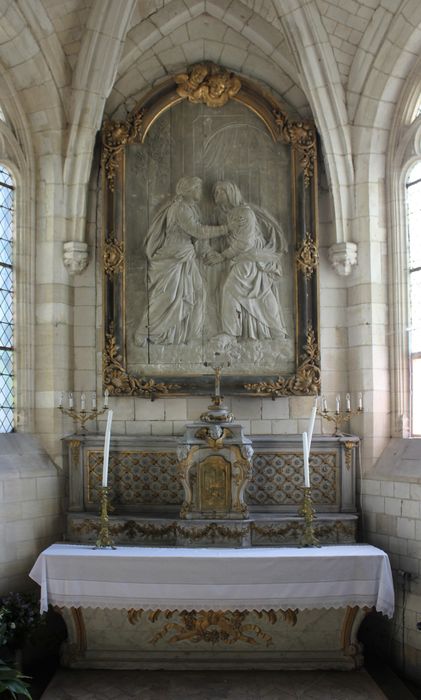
{"x": 75, "y": 256}
{"x": 343, "y": 256}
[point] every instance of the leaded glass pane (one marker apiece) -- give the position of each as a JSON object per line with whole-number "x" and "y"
{"x": 5, "y": 251}
{"x": 6, "y": 306}
{"x": 6, "y": 177}
{"x": 6, "y": 302}
{"x": 6, "y": 199}
{"x": 6, "y": 223}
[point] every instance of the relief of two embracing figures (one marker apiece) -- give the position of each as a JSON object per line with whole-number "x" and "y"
{"x": 248, "y": 268}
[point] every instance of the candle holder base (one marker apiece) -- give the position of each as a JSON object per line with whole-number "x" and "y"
{"x": 307, "y": 511}
{"x": 104, "y": 540}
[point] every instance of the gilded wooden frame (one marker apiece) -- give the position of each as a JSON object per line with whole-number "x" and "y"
{"x": 300, "y": 137}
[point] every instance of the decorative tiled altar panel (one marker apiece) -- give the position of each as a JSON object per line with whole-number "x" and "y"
{"x": 143, "y": 474}
{"x": 150, "y": 478}
{"x": 278, "y": 479}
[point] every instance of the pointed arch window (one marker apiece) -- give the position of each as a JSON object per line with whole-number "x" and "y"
{"x": 7, "y": 200}
{"x": 413, "y": 198}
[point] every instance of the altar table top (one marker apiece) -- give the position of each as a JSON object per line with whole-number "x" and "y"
{"x": 173, "y": 578}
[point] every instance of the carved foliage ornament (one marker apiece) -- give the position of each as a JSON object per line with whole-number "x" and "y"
{"x": 214, "y": 626}
{"x": 113, "y": 256}
{"x": 305, "y": 381}
{"x": 207, "y": 83}
{"x": 307, "y": 256}
{"x": 115, "y": 137}
{"x": 301, "y": 136}
{"x": 119, "y": 382}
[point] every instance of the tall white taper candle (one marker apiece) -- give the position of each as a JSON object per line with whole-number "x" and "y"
{"x": 305, "y": 460}
{"x": 107, "y": 448}
{"x": 311, "y": 421}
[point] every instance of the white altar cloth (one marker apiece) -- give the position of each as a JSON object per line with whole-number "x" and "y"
{"x": 215, "y": 579}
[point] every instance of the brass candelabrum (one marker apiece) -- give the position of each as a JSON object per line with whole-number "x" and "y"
{"x": 83, "y": 416}
{"x": 339, "y": 417}
{"x": 308, "y": 512}
{"x": 104, "y": 540}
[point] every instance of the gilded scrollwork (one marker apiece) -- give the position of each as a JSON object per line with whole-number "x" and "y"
{"x": 117, "y": 379}
{"x": 74, "y": 446}
{"x": 214, "y": 435}
{"x": 349, "y": 446}
{"x": 307, "y": 256}
{"x": 214, "y": 626}
{"x": 301, "y": 137}
{"x": 207, "y": 83}
{"x": 115, "y": 137}
{"x": 305, "y": 381}
{"x": 113, "y": 256}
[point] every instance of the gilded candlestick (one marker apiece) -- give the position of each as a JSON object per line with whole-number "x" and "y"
{"x": 104, "y": 540}
{"x": 307, "y": 511}
{"x": 339, "y": 417}
{"x": 83, "y": 416}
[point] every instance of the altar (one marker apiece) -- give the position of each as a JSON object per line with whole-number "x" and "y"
{"x": 165, "y": 607}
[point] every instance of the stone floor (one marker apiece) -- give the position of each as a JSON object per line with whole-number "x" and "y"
{"x": 208, "y": 685}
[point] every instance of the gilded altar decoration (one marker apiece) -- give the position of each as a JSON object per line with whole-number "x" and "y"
{"x": 115, "y": 137}
{"x": 214, "y": 626}
{"x": 214, "y": 435}
{"x": 302, "y": 137}
{"x": 306, "y": 380}
{"x": 307, "y": 257}
{"x": 118, "y": 381}
{"x": 214, "y": 471}
{"x": 349, "y": 445}
{"x": 207, "y": 83}
{"x": 74, "y": 446}
{"x": 113, "y": 256}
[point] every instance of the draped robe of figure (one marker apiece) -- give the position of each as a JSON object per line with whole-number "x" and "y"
{"x": 175, "y": 288}
{"x": 250, "y": 307}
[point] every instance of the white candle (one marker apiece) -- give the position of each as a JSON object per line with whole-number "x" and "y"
{"x": 360, "y": 401}
{"x": 305, "y": 461}
{"x": 311, "y": 424}
{"x": 61, "y": 399}
{"x": 348, "y": 402}
{"x": 106, "y": 394}
{"x": 338, "y": 403}
{"x": 70, "y": 400}
{"x": 82, "y": 402}
{"x": 324, "y": 404}
{"x": 94, "y": 401}
{"x": 107, "y": 448}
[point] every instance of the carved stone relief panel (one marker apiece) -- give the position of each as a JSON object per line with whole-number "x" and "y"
{"x": 210, "y": 241}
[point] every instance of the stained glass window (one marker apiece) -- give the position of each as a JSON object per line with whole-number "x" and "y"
{"x": 413, "y": 186}
{"x": 7, "y": 195}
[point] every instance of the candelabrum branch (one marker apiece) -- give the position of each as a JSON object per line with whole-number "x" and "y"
{"x": 83, "y": 416}
{"x": 339, "y": 418}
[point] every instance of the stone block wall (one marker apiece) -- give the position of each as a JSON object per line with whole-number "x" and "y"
{"x": 390, "y": 501}
{"x": 30, "y": 508}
